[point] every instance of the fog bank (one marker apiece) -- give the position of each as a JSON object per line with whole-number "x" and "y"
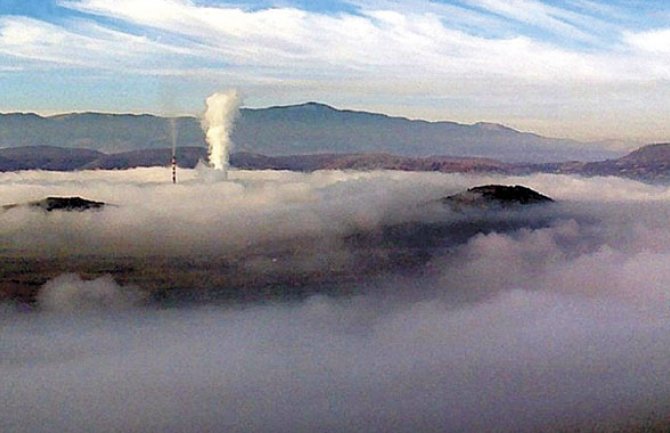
{"x": 562, "y": 321}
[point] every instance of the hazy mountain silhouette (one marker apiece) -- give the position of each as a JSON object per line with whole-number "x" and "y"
{"x": 308, "y": 128}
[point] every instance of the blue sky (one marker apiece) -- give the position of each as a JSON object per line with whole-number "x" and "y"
{"x": 585, "y": 69}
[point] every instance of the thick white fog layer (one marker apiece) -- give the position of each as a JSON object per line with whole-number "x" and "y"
{"x": 70, "y": 293}
{"x": 149, "y": 215}
{"x": 562, "y": 320}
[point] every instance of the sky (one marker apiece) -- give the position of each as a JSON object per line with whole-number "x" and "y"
{"x": 583, "y": 69}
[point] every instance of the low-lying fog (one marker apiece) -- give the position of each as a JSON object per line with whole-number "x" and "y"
{"x": 564, "y": 323}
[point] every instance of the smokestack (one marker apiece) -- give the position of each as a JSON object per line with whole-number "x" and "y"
{"x": 173, "y": 136}
{"x": 174, "y": 168}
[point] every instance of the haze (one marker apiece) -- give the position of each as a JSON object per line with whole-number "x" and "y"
{"x": 531, "y": 329}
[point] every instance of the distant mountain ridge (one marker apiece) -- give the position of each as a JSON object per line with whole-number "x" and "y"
{"x": 649, "y": 163}
{"x": 62, "y": 159}
{"x": 309, "y": 128}
{"x": 46, "y": 158}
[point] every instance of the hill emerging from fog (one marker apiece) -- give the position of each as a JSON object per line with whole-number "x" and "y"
{"x": 310, "y": 128}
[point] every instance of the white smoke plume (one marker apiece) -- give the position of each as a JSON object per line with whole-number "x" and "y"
{"x": 222, "y": 110}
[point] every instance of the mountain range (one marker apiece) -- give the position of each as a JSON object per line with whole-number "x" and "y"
{"x": 649, "y": 163}
{"x": 310, "y": 128}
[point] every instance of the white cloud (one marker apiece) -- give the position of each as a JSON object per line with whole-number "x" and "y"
{"x": 656, "y": 41}
{"x": 432, "y": 60}
{"x": 564, "y": 326}
{"x": 69, "y": 293}
{"x": 540, "y": 14}
{"x": 282, "y": 39}
{"x": 83, "y": 44}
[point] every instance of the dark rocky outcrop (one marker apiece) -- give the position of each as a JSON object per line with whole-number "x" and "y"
{"x": 61, "y": 203}
{"x": 487, "y": 196}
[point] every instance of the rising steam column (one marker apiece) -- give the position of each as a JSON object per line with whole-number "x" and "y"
{"x": 222, "y": 110}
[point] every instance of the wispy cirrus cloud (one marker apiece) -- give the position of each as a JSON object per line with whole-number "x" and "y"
{"x": 79, "y": 43}
{"x": 541, "y": 15}
{"x": 471, "y": 59}
{"x": 284, "y": 38}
